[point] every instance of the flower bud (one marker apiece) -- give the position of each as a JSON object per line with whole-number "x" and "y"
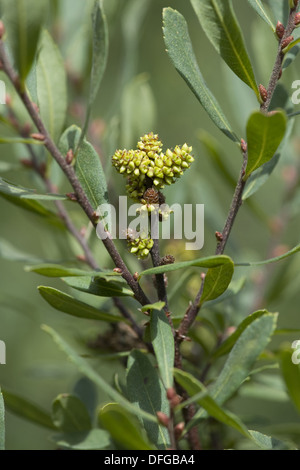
{"x": 263, "y": 93}
{"x": 297, "y": 19}
{"x": 279, "y": 30}
{"x": 286, "y": 42}
{"x": 162, "y": 418}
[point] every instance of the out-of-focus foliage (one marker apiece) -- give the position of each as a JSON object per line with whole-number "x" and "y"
{"x": 103, "y": 67}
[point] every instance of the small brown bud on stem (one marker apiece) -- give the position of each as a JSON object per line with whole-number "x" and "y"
{"x": 263, "y": 93}
{"x": 286, "y": 42}
{"x": 72, "y": 197}
{"x": 279, "y": 30}
{"x": 117, "y": 270}
{"x": 69, "y": 156}
{"x": 162, "y": 418}
{"x": 297, "y": 19}
{"x": 168, "y": 259}
{"x": 39, "y": 137}
{"x": 219, "y": 236}
{"x": 243, "y": 145}
{"x": 178, "y": 430}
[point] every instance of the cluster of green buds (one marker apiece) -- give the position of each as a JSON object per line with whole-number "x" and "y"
{"x": 148, "y": 166}
{"x": 138, "y": 245}
{"x": 148, "y": 169}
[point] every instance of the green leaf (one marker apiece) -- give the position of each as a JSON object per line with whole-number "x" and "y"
{"x": 145, "y": 389}
{"x": 233, "y": 289}
{"x": 88, "y": 167}
{"x": 242, "y": 357}
{"x": 289, "y": 362}
{"x": 19, "y": 140}
{"x": 163, "y": 345}
{"x": 291, "y": 45}
{"x": 195, "y": 387}
{"x": 95, "y": 439}
{"x": 216, "y": 281}
{"x": 180, "y": 50}
{"x": 99, "y": 59}
{"x": 68, "y": 304}
{"x": 2, "y": 422}
{"x": 23, "y": 21}
{"x": 258, "y": 7}
{"x": 291, "y": 252}
{"x": 228, "y": 344}
{"x": 13, "y": 190}
{"x": 219, "y": 23}
{"x": 267, "y": 442}
{"x": 27, "y": 410}
{"x": 209, "y": 262}
{"x": 27, "y": 200}
{"x": 100, "y": 287}
{"x": 69, "y": 414}
{"x": 51, "y": 86}
{"x": 84, "y": 367}
{"x": 264, "y": 134}
{"x": 56, "y": 270}
{"x": 156, "y": 306}
{"x": 123, "y": 427}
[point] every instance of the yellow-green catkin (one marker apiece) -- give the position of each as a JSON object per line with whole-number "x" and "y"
{"x": 148, "y": 166}
{"x": 148, "y": 169}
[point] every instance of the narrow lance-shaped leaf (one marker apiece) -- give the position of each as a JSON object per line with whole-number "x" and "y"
{"x": 57, "y": 270}
{"x": 108, "y": 287}
{"x": 84, "y": 367}
{"x": 28, "y": 200}
{"x": 193, "y": 387}
{"x": 259, "y": 8}
{"x": 228, "y": 344}
{"x": 51, "y": 86}
{"x": 88, "y": 167}
{"x": 209, "y": 262}
{"x": 68, "y": 304}
{"x": 163, "y": 345}
{"x": 180, "y": 50}
{"x": 289, "y": 253}
{"x": 23, "y": 21}
{"x": 27, "y": 410}
{"x": 216, "y": 281}
{"x": 262, "y": 174}
{"x": 264, "y": 134}
{"x": 242, "y": 357}
{"x": 219, "y": 23}
{"x": 145, "y": 389}
{"x": 19, "y": 140}
{"x": 99, "y": 59}
{"x": 15, "y": 191}
{"x": 124, "y": 429}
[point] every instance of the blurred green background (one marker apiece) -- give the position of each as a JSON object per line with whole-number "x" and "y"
{"x": 139, "y": 67}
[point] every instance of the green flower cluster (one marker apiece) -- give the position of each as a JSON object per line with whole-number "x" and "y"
{"x": 139, "y": 246}
{"x": 148, "y": 166}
